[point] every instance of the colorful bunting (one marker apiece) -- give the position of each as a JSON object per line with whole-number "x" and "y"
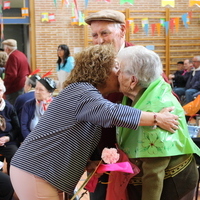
{"x": 191, "y": 3}
{"x": 144, "y": 21}
{"x": 190, "y": 14}
{"x": 127, "y": 1}
{"x": 55, "y": 2}
{"x": 150, "y": 47}
{"x": 176, "y": 20}
{"x": 153, "y": 27}
{"x": 167, "y": 2}
{"x": 185, "y": 19}
{"x": 166, "y": 25}
{"x": 81, "y": 19}
{"x": 130, "y": 23}
{"x": 146, "y": 29}
{"x": 172, "y": 24}
{"x": 51, "y": 17}
{"x": 136, "y": 29}
{"x": 45, "y": 17}
{"x": 158, "y": 25}
{"x": 162, "y": 21}
{"x": 74, "y": 21}
{"x": 24, "y": 12}
{"x": 127, "y": 24}
{"x": 6, "y": 5}
{"x": 65, "y": 2}
{"x": 86, "y": 3}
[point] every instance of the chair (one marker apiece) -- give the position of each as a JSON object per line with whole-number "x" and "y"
{"x": 197, "y": 158}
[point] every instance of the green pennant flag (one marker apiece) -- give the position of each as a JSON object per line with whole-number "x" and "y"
{"x": 127, "y": 1}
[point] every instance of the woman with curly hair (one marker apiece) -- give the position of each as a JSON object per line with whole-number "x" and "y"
{"x": 54, "y": 155}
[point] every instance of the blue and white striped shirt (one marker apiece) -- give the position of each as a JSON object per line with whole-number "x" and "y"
{"x": 59, "y": 147}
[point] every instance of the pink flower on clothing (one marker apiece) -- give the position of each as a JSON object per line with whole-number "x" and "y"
{"x": 110, "y": 156}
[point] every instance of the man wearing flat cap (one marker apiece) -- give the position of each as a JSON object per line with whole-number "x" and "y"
{"x": 107, "y": 27}
{"x": 16, "y": 70}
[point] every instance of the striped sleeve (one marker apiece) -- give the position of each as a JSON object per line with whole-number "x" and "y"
{"x": 97, "y": 110}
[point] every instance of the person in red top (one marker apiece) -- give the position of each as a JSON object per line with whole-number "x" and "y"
{"x": 16, "y": 70}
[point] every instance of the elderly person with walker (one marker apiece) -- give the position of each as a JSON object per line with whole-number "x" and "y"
{"x": 168, "y": 168}
{"x": 71, "y": 128}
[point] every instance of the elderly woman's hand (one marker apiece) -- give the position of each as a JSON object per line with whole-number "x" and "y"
{"x": 166, "y": 120}
{"x": 3, "y": 140}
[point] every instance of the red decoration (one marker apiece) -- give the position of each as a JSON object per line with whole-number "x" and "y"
{"x": 153, "y": 27}
{"x": 6, "y": 5}
{"x": 136, "y": 29}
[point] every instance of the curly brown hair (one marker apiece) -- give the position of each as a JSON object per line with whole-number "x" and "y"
{"x": 93, "y": 65}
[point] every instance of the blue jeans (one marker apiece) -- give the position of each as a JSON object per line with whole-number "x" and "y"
{"x": 189, "y": 95}
{"x": 196, "y": 94}
{"x": 179, "y": 91}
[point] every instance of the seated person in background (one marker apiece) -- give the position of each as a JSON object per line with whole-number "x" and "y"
{"x": 35, "y": 108}
{"x": 29, "y": 89}
{"x": 177, "y": 79}
{"x": 9, "y": 128}
{"x": 163, "y": 158}
{"x": 6, "y": 189}
{"x": 3, "y": 59}
{"x": 188, "y": 66}
{"x": 65, "y": 64}
{"x": 193, "y": 82}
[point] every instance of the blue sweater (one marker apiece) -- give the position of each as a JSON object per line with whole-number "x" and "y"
{"x": 26, "y": 116}
{"x": 21, "y": 100}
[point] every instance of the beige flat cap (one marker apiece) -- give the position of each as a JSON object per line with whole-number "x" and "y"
{"x": 106, "y": 15}
{"x": 10, "y": 42}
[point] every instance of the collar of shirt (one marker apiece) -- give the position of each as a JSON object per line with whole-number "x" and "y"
{"x": 11, "y": 52}
{"x": 123, "y": 46}
{"x": 194, "y": 70}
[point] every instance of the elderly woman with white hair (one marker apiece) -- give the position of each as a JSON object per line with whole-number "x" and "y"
{"x": 168, "y": 168}
{"x": 9, "y": 128}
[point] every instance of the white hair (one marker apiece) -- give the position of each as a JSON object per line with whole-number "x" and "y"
{"x": 141, "y": 63}
{"x": 9, "y": 47}
{"x": 2, "y": 86}
{"x": 197, "y": 57}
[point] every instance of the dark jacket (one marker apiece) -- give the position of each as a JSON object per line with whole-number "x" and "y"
{"x": 21, "y": 100}
{"x": 12, "y": 123}
{"x": 26, "y": 116}
{"x": 193, "y": 82}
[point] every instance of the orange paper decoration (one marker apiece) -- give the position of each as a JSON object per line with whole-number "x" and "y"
{"x": 176, "y": 20}
{"x": 158, "y": 25}
{"x": 24, "y": 12}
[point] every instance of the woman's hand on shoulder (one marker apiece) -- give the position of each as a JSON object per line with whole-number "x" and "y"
{"x": 166, "y": 120}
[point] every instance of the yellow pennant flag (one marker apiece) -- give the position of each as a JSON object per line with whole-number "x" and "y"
{"x": 191, "y": 2}
{"x": 168, "y": 2}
